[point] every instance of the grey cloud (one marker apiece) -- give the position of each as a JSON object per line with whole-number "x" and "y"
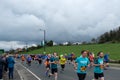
{"x": 64, "y": 20}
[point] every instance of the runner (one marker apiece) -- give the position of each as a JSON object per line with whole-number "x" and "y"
{"x": 106, "y": 60}
{"x": 23, "y": 58}
{"x": 54, "y": 68}
{"x": 40, "y": 59}
{"x": 47, "y": 64}
{"x": 80, "y": 64}
{"x": 99, "y": 66}
{"x": 29, "y": 59}
{"x": 62, "y": 62}
{"x": 69, "y": 58}
{"x": 36, "y": 58}
{"x": 72, "y": 58}
{"x": 91, "y": 58}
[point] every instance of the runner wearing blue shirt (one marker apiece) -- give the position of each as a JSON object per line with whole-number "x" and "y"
{"x": 99, "y": 66}
{"x": 106, "y": 60}
{"x": 81, "y": 64}
{"x": 29, "y": 59}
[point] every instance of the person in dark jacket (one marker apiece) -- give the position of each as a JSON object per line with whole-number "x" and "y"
{"x": 1, "y": 67}
{"x": 11, "y": 63}
{"x": 5, "y": 63}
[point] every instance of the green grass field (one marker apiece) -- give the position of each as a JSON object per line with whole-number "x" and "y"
{"x": 113, "y": 49}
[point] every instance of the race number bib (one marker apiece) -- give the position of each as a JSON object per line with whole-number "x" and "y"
{"x": 83, "y": 69}
{"x": 101, "y": 66}
{"x": 55, "y": 62}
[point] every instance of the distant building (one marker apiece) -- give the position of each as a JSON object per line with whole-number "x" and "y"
{"x": 54, "y": 44}
{"x": 19, "y": 50}
{"x": 65, "y": 43}
{"x": 77, "y": 43}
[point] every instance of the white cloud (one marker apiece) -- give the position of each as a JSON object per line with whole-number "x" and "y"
{"x": 10, "y": 45}
{"x": 7, "y": 45}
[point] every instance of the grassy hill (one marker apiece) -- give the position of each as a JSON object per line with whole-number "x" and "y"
{"x": 113, "y": 49}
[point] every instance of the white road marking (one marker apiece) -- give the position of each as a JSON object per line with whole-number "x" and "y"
{"x": 20, "y": 76}
{"x": 30, "y": 72}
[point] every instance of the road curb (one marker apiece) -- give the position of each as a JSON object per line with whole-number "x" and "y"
{"x": 20, "y": 76}
{"x": 115, "y": 65}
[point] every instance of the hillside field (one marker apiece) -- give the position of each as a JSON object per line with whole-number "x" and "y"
{"x": 113, "y": 49}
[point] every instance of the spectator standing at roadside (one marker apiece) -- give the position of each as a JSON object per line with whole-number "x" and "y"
{"x": 1, "y": 67}
{"x": 5, "y": 63}
{"x": 11, "y": 63}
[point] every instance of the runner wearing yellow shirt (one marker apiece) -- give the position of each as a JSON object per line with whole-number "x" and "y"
{"x": 62, "y": 62}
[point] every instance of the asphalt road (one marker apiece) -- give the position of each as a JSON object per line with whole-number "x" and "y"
{"x": 68, "y": 74}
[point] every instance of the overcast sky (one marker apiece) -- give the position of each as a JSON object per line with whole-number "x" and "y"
{"x": 64, "y": 20}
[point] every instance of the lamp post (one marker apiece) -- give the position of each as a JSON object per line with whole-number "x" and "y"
{"x": 26, "y": 47}
{"x": 44, "y": 37}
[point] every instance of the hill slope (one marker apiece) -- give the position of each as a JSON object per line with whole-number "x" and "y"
{"x": 113, "y": 49}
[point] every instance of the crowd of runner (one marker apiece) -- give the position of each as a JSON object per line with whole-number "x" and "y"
{"x": 87, "y": 59}
{"x": 51, "y": 62}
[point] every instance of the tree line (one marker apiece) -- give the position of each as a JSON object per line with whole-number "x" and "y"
{"x": 112, "y": 36}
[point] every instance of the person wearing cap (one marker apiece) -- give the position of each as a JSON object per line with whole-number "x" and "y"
{"x": 62, "y": 62}
{"x": 81, "y": 64}
{"x": 11, "y": 63}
